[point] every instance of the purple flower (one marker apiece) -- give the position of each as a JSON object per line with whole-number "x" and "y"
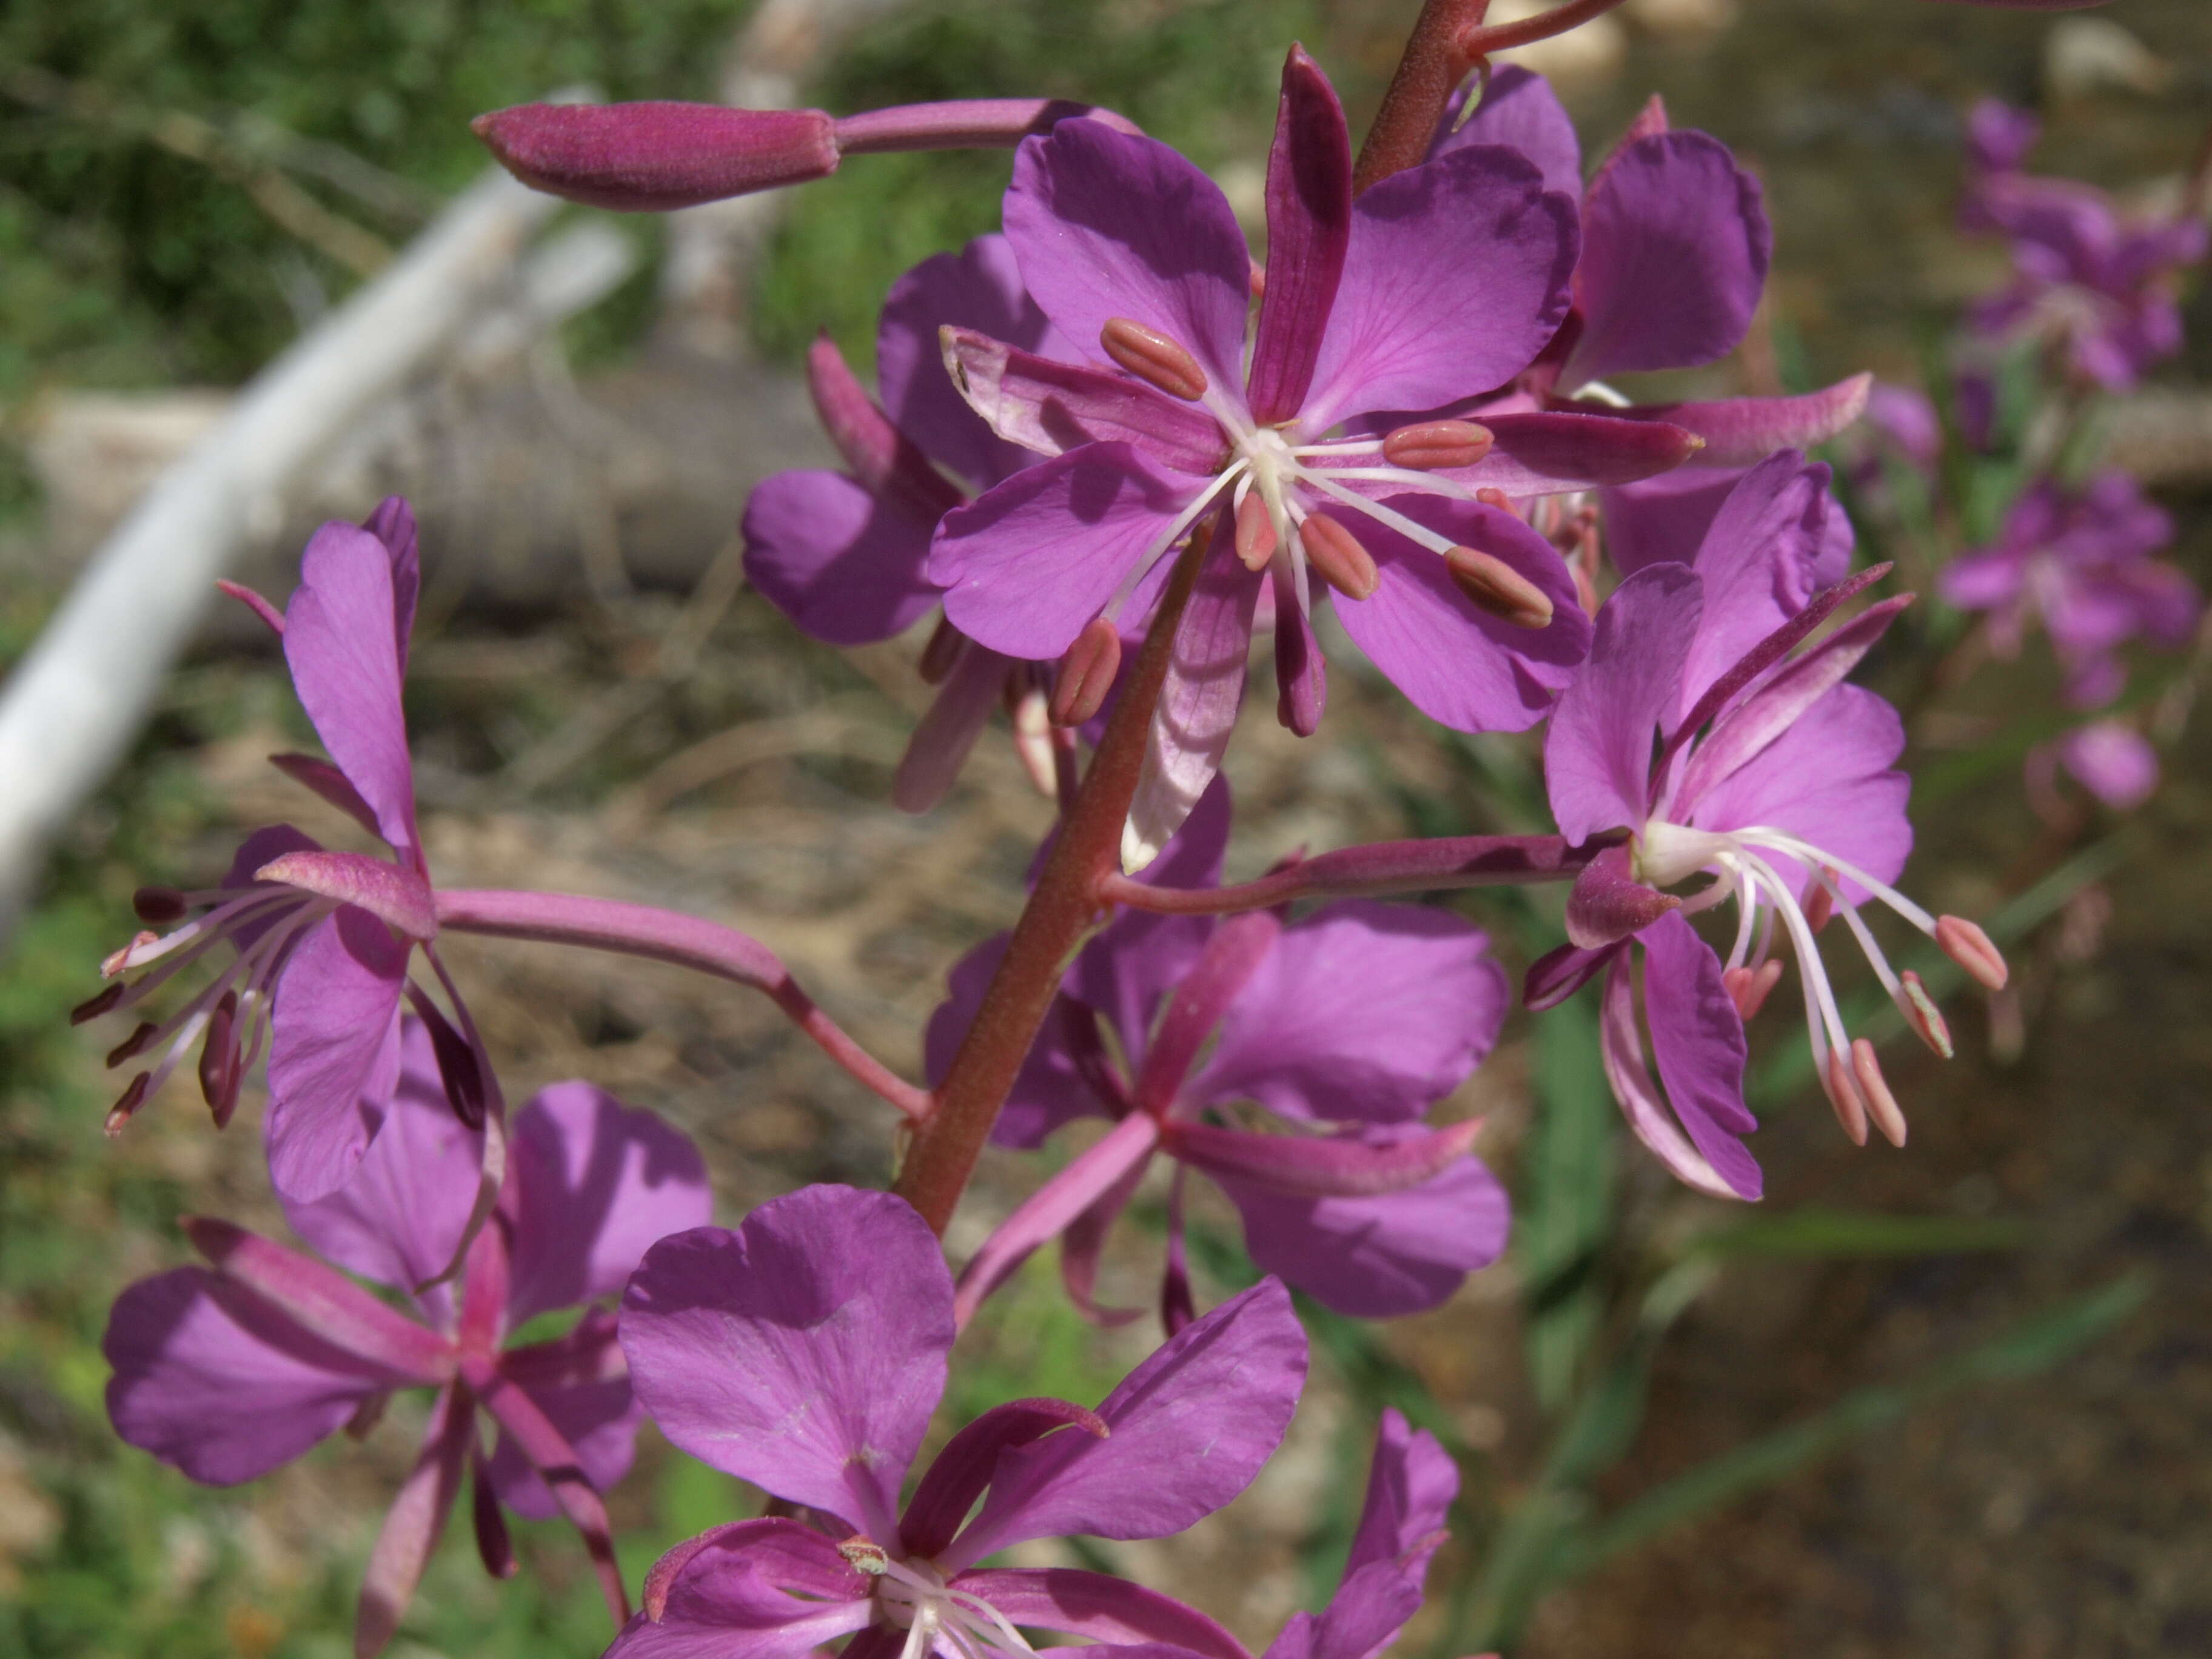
{"x": 1675, "y": 246}
{"x": 1341, "y": 1030}
{"x": 228, "y": 1371}
{"x": 1136, "y": 258}
{"x": 1410, "y": 1488}
{"x": 1774, "y": 777}
{"x": 842, "y": 554}
{"x": 2094, "y": 284}
{"x": 323, "y": 939}
{"x": 805, "y": 1351}
{"x": 2080, "y": 562}
{"x": 2111, "y": 759}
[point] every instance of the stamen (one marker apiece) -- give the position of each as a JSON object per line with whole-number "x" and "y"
{"x": 1256, "y": 532}
{"x": 158, "y": 905}
{"x": 131, "y": 1044}
{"x": 1821, "y": 905}
{"x": 1866, "y": 1070}
{"x": 1921, "y": 1014}
{"x": 93, "y": 1006}
{"x": 1497, "y": 589}
{"x": 1434, "y": 444}
{"x": 1748, "y": 987}
{"x": 1844, "y": 1095}
{"x": 1086, "y": 673}
{"x": 133, "y": 1097}
{"x": 864, "y": 1555}
{"x": 943, "y": 651}
{"x": 1335, "y": 552}
{"x": 1153, "y": 358}
{"x": 117, "y": 961}
{"x": 1966, "y": 943}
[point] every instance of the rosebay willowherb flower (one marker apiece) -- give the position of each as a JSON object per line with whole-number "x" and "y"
{"x": 1216, "y": 1043}
{"x": 804, "y": 1352}
{"x": 229, "y": 1370}
{"x": 322, "y": 941}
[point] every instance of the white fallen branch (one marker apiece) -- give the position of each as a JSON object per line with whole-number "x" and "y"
{"x": 73, "y": 705}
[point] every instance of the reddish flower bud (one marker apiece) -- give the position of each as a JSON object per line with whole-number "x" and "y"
{"x": 651, "y": 157}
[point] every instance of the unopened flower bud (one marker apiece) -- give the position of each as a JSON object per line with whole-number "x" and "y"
{"x": 1497, "y": 589}
{"x": 1966, "y": 943}
{"x": 1874, "y": 1090}
{"x": 1086, "y": 673}
{"x": 1153, "y": 358}
{"x": 650, "y": 157}
{"x": 1336, "y": 554}
{"x": 1434, "y": 444}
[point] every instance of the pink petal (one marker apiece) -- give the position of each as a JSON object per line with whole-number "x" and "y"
{"x": 346, "y": 667}
{"x": 1520, "y": 110}
{"x": 757, "y": 1589}
{"x": 804, "y": 1352}
{"x": 1597, "y": 754}
{"x": 1029, "y": 561}
{"x": 1697, "y": 1038}
{"x": 845, "y": 565}
{"x": 1190, "y": 1428}
{"x": 1620, "y": 1047}
{"x": 1459, "y": 665}
{"x": 392, "y": 522}
{"x": 1362, "y": 1011}
{"x": 1675, "y": 246}
{"x": 212, "y": 1380}
{"x": 1411, "y": 1484}
{"x": 1309, "y": 228}
{"x": 593, "y": 1184}
{"x": 1456, "y": 277}
{"x": 1105, "y": 224}
{"x": 333, "y": 1051}
{"x": 1049, "y": 407}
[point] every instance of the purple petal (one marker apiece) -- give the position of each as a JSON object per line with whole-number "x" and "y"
{"x": 1363, "y": 1012}
{"x": 1744, "y": 431}
{"x": 1309, "y": 228}
{"x": 595, "y": 1183}
{"x": 804, "y": 1352}
{"x": 962, "y": 1469}
{"x": 981, "y": 288}
{"x": 1827, "y": 782}
{"x": 338, "y": 641}
{"x": 1676, "y": 246}
{"x": 415, "y": 1522}
{"x": 1520, "y": 110}
{"x": 399, "y": 1218}
{"x": 1026, "y": 565}
{"x": 1620, "y": 1047}
{"x": 758, "y": 1589}
{"x": 1049, "y": 407}
{"x": 1110, "y": 1611}
{"x": 1197, "y": 709}
{"x": 1697, "y": 1037}
{"x": 1406, "y": 332}
{"x": 1190, "y": 1428}
{"x": 598, "y": 1415}
{"x": 2113, "y": 762}
{"x": 1597, "y": 754}
{"x": 1459, "y": 665}
{"x": 1381, "y": 1255}
{"x": 326, "y": 781}
{"x": 333, "y": 1051}
{"x": 1105, "y": 224}
{"x": 392, "y": 523}
{"x": 212, "y": 1379}
{"x": 1410, "y": 1486}
{"x": 391, "y": 892}
{"x": 1661, "y": 520}
{"x": 1762, "y": 559}
{"x": 846, "y": 565}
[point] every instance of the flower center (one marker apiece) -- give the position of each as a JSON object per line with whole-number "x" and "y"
{"x": 914, "y": 1596}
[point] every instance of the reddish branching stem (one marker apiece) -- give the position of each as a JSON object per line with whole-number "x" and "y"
{"x": 1063, "y": 907}
{"x": 1432, "y": 69}
{"x": 1370, "y": 872}
{"x": 1482, "y": 39}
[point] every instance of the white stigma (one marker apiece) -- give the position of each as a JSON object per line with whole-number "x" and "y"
{"x": 914, "y": 1596}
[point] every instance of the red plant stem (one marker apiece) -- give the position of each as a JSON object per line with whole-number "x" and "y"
{"x": 1432, "y": 66}
{"x": 1482, "y": 39}
{"x": 641, "y": 930}
{"x": 1062, "y": 908}
{"x": 1385, "y": 867}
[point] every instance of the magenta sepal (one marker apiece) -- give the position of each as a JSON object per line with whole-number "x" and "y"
{"x": 1308, "y": 231}
{"x": 325, "y": 1302}
{"x": 1053, "y": 1207}
{"x": 1607, "y": 903}
{"x": 1317, "y": 1166}
{"x": 1227, "y": 962}
{"x": 1107, "y": 1610}
{"x": 415, "y": 1520}
{"x": 881, "y": 458}
{"x": 941, "y": 1503}
{"x": 795, "y": 1554}
{"x": 332, "y": 785}
{"x": 1745, "y": 431}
